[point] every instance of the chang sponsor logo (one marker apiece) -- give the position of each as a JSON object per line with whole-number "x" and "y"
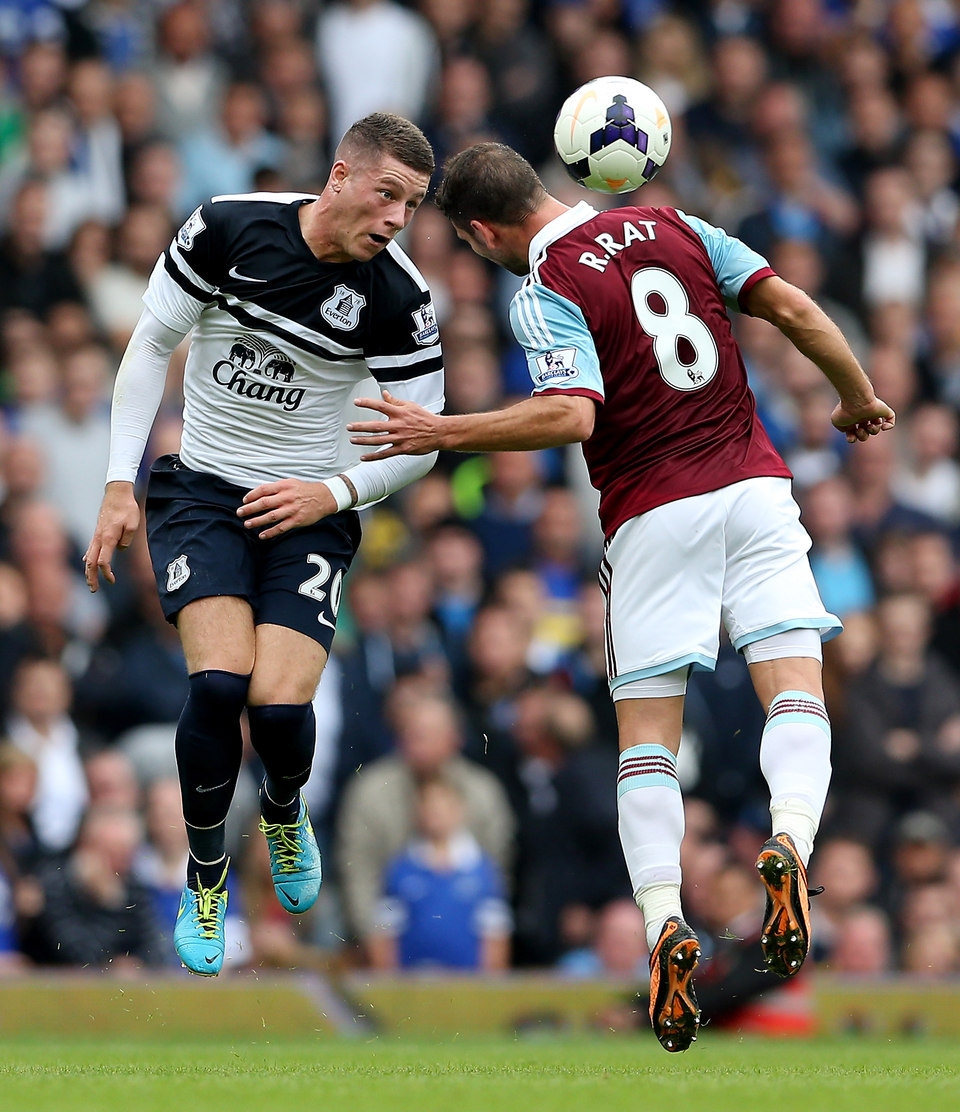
{"x": 256, "y": 370}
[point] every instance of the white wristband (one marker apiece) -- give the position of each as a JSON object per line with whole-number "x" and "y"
{"x": 341, "y": 492}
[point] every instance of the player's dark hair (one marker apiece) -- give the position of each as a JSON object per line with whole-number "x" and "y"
{"x": 384, "y": 133}
{"x": 490, "y": 182}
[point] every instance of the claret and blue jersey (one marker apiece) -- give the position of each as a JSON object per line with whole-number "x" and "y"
{"x": 629, "y": 307}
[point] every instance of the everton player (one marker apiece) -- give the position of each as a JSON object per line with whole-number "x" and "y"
{"x": 294, "y": 301}
{"x": 623, "y": 318}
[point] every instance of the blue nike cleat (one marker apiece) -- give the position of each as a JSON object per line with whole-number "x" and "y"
{"x": 198, "y": 934}
{"x": 294, "y": 862}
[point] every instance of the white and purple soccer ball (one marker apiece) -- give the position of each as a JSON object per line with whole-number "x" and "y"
{"x": 613, "y": 134}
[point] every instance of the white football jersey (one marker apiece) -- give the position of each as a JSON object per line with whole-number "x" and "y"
{"x": 282, "y": 343}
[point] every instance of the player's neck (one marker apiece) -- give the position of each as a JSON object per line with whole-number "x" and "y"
{"x": 314, "y": 224}
{"x": 548, "y": 211}
{"x": 517, "y": 237}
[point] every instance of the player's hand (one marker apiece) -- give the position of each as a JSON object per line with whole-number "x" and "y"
{"x": 860, "y": 422}
{"x": 409, "y": 429}
{"x": 276, "y": 508}
{"x": 117, "y": 524}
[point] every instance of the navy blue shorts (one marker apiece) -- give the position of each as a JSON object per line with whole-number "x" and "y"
{"x": 200, "y": 548}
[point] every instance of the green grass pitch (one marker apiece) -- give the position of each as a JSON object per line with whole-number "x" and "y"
{"x": 720, "y": 1074}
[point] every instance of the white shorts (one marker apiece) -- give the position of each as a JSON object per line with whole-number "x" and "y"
{"x": 736, "y": 556}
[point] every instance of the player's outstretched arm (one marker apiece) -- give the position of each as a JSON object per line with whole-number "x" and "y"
{"x": 543, "y": 421}
{"x": 117, "y": 524}
{"x": 860, "y": 413}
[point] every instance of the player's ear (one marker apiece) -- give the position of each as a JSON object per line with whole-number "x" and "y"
{"x": 339, "y": 172}
{"x": 484, "y": 233}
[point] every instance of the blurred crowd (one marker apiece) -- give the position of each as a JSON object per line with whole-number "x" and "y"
{"x": 463, "y": 786}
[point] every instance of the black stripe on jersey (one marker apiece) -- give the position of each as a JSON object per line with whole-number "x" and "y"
{"x": 183, "y": 282}
{"x": 411, "y": 370}
{"x": 249, "y": 320}
{"x": 257, "y": 324}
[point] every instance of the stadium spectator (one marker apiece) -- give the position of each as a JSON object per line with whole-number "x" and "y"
{"x": 17, "y": 638}
{"x": 20, "y": 848}
{"x": 111, "y": 780}
{"x": 70, "y": 197}
{"x": 136, "y": 674}
{"x": 511, "y": 500}
{"x": 302, "y": 125}
{"x": 226, "y": 157}
{"x": 41, "y": 727}
{"x": 928, "y": 480}
{"x": 116, "y": 290}
{"x": 32, "y": 276}
{"x": 74, "y": 435}
{"x": 845, "y": 870}
{"x": 864, "y": 946}
{"x": 876, "y": 127}
{"x": 377, "y": 813}
{"x": 838, "y": 563}
{"x": 97, "y": 148}
{"x": 94, "y": 913}
{"x": 464, "y": 104}
{"x": 939, "y": 363}
{"x": 498, "y": 652}
{"x": 932, "y": 165}
{"x": 162, "y": 857}
{"x": 188, "y": 76}
{"x": 400, "y": 60}
{"x": 553, "y": 861}
{"x": 617, "y": 950}
{"x": 900, "y": 746}
{"x": 455, "y": 560}
{"x": 522, "y": 74}
{"x": 444, "y": 899}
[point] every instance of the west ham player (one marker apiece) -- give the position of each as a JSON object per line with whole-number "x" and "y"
{"x": 294, "y": 301}
{"x": 623, "y": 319}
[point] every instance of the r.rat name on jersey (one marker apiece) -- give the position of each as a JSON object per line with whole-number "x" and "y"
{"x": 255, "y": 369}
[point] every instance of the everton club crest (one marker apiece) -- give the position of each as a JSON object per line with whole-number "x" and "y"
{"x": 342, "y": 310}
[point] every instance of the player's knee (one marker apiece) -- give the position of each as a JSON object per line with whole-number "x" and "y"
{"x": 220, "y": 693}
{"x": 284, "y": 737}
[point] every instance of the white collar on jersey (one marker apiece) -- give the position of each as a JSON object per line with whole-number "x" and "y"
{"x": 558, "y": 227}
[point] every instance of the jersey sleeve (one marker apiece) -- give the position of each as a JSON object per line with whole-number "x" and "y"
{"x": 183, "y": 284}
{"x": 561, "y": 354}
{"x": 736, "y": 266}
{"x": 405, "y": 344}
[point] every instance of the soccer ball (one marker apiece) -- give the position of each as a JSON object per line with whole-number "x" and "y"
{"x": 612, "y": 134}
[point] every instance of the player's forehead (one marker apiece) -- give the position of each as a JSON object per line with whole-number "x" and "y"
{"x": 388, "y": 170}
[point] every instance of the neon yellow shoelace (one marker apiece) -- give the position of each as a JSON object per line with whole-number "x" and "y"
{"x": 209, "y": 902}
{"x": 284, "y": 845}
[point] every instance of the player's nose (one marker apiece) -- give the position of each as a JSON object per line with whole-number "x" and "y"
{"x": 397, "y": 215}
